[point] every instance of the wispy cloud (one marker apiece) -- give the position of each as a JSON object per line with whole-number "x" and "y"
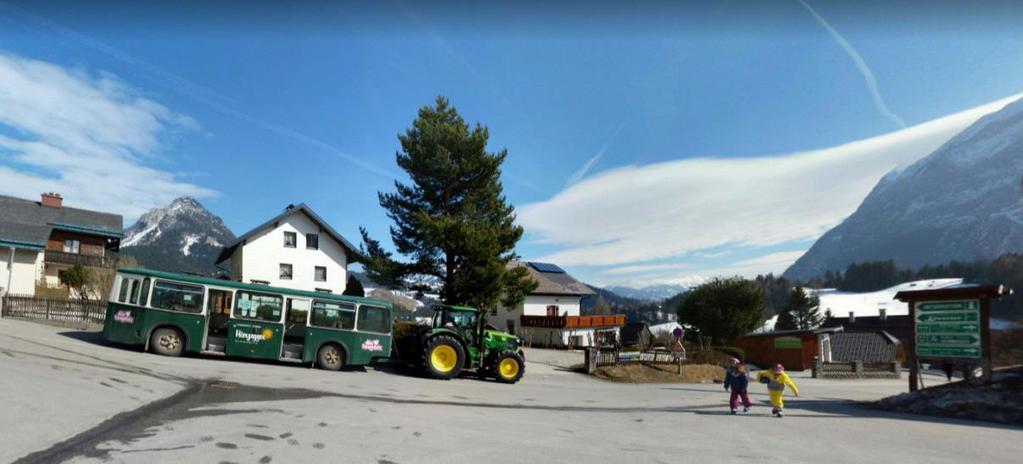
{"x": 868, "y": 75}
{"x": 578, "y": 175}
{"x": 91, "y": 137}
{"x": 203, "y": 95}
{"x": 635, "y": 215}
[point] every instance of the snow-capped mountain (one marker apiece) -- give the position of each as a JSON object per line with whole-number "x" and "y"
{"x": 180, "y": 237}
{"x": 649, "y": 293}
{"x": 962, "y": 202}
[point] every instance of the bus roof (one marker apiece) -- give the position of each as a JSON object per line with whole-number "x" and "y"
{"x": 459, "y": 308}
{"x": 254, "y": 287}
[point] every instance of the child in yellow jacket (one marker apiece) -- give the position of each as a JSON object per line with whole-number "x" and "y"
{"x": 776, "y": 380}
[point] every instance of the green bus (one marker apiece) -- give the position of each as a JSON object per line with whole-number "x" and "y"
{"x": 171, "y": 314}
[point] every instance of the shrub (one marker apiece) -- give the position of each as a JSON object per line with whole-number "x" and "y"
{"x": 732, "y": 351}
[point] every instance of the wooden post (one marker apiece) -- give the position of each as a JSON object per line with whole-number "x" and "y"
{"x": 914, "y": 363}
{"x": 985, "y": 337}
{"x": 47, "y": 309}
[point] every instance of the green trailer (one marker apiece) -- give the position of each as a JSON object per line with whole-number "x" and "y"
{"x": 172, "y": 314}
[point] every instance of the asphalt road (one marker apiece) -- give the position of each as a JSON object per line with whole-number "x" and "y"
{"x": 65, "y": 396}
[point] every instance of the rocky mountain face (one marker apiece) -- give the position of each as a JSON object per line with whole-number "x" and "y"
{"x": 962, "y": 202}
{"x": 180, "y": 237}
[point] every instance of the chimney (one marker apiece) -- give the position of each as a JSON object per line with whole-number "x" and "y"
{"x": 53, "y": 200}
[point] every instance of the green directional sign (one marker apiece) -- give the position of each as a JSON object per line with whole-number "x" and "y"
{"x": 949, "y": 351}
{"x": 964, "y": 305}
{"x": 968, "y": 327}
{"x": 948, "y": 329}
{"x": 948, "y": 317}
{"x": 947, "y": 339}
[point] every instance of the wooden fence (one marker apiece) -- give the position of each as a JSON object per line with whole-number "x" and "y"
{"x": 71, "y": 311}
{"x": 599, "y": 357}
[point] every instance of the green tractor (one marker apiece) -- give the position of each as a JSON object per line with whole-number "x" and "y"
{"x": 456, "y": 339}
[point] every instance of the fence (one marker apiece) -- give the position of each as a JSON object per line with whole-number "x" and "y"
{"x": 70, "y": 311}
{"x": 599, "y": 357}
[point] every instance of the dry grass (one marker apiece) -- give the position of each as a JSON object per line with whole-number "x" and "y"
{"x": 661, "y": 373}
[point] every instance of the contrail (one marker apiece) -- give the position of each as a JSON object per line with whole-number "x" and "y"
{"x": 868, "y": 75}
{"x": 578, "y": 175}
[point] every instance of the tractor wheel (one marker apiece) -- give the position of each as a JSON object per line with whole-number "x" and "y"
{"x": 443, "y": 357}
{"x": 330, "y": 358}
{"x": 508, "y": 367}
{"x": 167, "y": 341}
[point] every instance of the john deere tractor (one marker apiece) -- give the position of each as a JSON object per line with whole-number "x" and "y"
{"x": 457, "y": 339}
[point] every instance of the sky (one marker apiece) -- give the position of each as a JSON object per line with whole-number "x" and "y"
{"x": 667, "y": 142}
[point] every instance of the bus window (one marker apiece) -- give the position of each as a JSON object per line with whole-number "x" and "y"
{"x": 177, "y": 297}
{"x": 259, "y": 306}
{"x": 333, "y": 315}
{"x": 373, "y": 319}
{"x": 144, "y": 294}
{"x": 122, "y": 296}
{"x": 134, "y": 292}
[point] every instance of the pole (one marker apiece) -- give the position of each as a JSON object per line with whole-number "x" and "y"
{"x": 985, "y": 337}
{"x": 914, "y": 363}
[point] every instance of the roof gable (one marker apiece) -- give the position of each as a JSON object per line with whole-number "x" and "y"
{"x": 290, "y": 210}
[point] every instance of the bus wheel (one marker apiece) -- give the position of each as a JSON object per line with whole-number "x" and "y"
{"x": 167, "y": 341}
{"x": 330, "y": 358}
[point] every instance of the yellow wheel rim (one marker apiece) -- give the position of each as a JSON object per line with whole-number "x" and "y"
{"x": 443, "y": 358}
{"x": 509, "y": 368}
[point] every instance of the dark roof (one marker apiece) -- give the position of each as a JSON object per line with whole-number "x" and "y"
{"x": 632, "y": 332}
{"x": 869, "y": 347}
{"x": 553, "y": 283}
{"x": 955, "y": 291}
{"x": 292, "y": 209}
{"x": 28, "y": 223}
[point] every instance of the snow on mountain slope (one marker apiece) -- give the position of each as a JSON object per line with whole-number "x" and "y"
{"x": 964, "y": 202}
{"x": 181, "y": 237}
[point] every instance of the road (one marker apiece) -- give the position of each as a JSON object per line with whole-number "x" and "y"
{"x": 69, "y": 397}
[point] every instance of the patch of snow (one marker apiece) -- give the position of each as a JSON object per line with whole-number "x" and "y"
{"x": 190, "y": 240}
{"x": 134, "y": 239}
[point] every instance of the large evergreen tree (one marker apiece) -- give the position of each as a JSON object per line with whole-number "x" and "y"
{"x": 452, "y": 221}
{"x": 804, "y": 310}
{"x": 723, "y": 309}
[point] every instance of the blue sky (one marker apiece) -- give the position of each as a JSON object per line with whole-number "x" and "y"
{"x": 655, "y": 145}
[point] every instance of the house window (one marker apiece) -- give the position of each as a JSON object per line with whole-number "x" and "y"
{"x": 259, "y": 282}
{"x": 290, "y": 239}
{"x": 312, "y": 241}
{"x": 285, "y": 271}
{"x": 324, "y": 290}
{"x": 552, "y": 310}
{"x": 321, "y": 273}
{"x": 72, "y": 246}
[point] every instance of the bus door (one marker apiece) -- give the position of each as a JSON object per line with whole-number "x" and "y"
{"x": 219, "y": 311}
{"x": 256, "y": 329}
{"x": 294, "y": 329}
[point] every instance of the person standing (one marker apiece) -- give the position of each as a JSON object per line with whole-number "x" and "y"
{"x": 776, "y": 380}
{"x": 738, "y": 381}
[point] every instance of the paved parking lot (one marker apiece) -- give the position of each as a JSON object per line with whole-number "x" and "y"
{"x": 69, "y": 397}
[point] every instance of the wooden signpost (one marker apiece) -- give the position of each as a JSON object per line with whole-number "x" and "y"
{"x": 950, "y": 325}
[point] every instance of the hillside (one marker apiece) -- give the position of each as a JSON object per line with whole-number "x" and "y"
{"x": 180, "y": 237}
{"x": 962, "y": 202}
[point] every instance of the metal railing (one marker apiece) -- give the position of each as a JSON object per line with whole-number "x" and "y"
{"x": 72, "y": 311}
{"x": 60, "y": 257}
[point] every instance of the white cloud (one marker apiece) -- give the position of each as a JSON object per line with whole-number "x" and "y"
{"x": 636, "y": 214}
{"x": 868, "y": 75}
{"x": 92, "y": 138}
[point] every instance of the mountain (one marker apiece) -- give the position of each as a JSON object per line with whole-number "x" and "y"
{"x": 180, "y": 237}
{"x": 962, "y": 202}
{"x": 649, "y": 293}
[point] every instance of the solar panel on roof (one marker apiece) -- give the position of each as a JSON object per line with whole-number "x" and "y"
{"x": 547, "y": 267}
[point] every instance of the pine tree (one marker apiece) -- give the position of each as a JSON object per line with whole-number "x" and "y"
{"x": 452, "y": 221}
{"x": 354, "y": 287}
{"x": 804, "y": 309}
{"x": 786, "y": 321}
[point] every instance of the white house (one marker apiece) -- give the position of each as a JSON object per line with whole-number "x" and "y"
{"x": 297, "y": 249}
{"x": 550, "y": 315}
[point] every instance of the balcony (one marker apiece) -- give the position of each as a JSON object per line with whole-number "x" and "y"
{"x": 573, "y": 322}
{"x": 60, "y": 257}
